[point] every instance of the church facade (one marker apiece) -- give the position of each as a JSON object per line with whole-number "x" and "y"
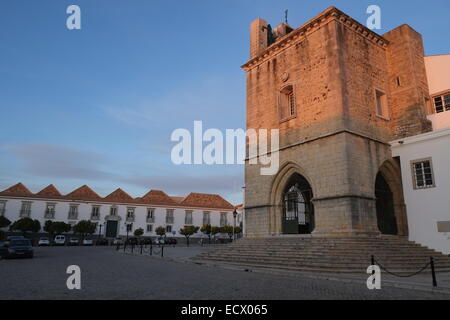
{"x": 339, "y": 93}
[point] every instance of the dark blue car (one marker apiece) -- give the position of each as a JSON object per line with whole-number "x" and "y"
{"x": 17, "y": 248}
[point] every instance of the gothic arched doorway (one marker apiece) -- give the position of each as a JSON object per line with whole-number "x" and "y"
{"x": 298, "y": 210}
{"x": 387, "y": 222}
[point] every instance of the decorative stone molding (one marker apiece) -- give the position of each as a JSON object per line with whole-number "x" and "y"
{"x": 328, "y": 15}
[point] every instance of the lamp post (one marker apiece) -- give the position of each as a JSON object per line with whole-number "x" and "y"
{"x": 234, "y": 222}
{"x": 100, "y": 231}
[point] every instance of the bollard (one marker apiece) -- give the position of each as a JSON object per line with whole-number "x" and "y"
{"x": 151, "y": 249}
{"x": 141, "y": 248}
{"x": 372, "y": 260}
{"x": 124, "y": 246}
{"x": 118, "y": 247}
{"x": 132, "y": 248}
{"x": 433, "y": 272}
{"x": 162, "y": 252}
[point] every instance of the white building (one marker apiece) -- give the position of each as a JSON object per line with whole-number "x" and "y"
{"x": 425, "y": 165}
{"x": 114, "y": 212}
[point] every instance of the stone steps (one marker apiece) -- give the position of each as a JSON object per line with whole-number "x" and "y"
{"x": 347, "y": 255}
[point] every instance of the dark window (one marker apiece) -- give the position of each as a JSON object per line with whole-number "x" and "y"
{"x": 423, "y": 174}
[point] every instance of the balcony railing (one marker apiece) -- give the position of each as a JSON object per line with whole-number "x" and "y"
{"x": 49, "y": 215}
{"x": 95, "y": 217}
{"x": 25, "y": 213}
{"x": 151, "y": 220}
{"x": 130, "y": 218}
{"x": 169, "y": 220}
{"x": 73, "y": 216}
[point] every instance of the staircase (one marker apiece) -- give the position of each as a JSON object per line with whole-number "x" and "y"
{"x": 335, "y": 255}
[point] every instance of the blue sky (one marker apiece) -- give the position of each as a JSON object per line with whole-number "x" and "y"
{"x": 97, "y": 106}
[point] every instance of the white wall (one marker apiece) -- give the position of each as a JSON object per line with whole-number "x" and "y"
{"x": 427, "y": 207}
{"x": 438, "y": 73}
{"x": 13, "y": 206}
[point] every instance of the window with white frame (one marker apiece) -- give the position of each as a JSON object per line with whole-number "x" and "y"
{"x": 423, "y": 176}
{"x": 130, "y": 214}
{"x": 150, "y": 215}
{"x": 223, "y": 219}
{"x": 381, "y": 102}
{"x": 50, "y": 211}
{"x": 169, "y": 216}
{"x": 113, "y": 211}
{"x": 2, "y": 208}
{"x": 188, "y": 218}
{"x": 73, "y": 212}
{"x": 149, "y": 228}
{"x": 286, "y": 103}
{"x": 206, "y": 218}
{"x": 95, "y": 214}
{"x": 25, "y": 210}
{"x": 442, "y": 102}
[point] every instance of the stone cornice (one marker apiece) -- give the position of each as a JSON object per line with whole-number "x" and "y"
{"x": 331, "y": 13}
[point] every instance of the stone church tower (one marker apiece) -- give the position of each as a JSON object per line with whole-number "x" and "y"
{"x": 338, "y": 93}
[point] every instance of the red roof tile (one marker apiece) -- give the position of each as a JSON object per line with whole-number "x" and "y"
{"x": 206, "y": 201}
{"x": 158, "y": 197}
{"x": 119, "y": 196}
{"x": 83, "y": 193}
{"x": 49, "y": 191}
{"x": 17, "y": 190}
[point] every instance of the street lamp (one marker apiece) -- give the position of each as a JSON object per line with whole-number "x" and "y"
{"x": 100, "y": 230}
{"x": 234, "y": 222}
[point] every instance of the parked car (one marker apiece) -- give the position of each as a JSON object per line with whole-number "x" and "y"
{"x": 145, "y": 241}
{"x": 160, "y": 240}
{"x": 74, "y": 242}
{"x": 171, "y": 241}
{"x": 14, "y": 238}
{"x": 132, "y": 241}
{"x": 60, "y": 240}
{"x": 44, "y": 242}
{"x": 17, "y": 248}
{"x": 118, "y": 241}
{"x": 88, "y": 242}
{"x": 102, "y": 242}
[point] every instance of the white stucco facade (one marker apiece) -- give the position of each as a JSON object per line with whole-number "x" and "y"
{"x": 13, "y": 206}
{"x": 428, "y": 209}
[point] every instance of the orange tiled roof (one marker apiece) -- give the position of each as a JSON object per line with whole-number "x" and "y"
{"x": 83, "y": 193}
{"x": 49, "y": 191}
{"x": 17, "y": 190}
{"x": 206, "y": 201}
{"x": 119, "y": 196}
{"x": 157, "y": 197}
{"x": 154, "y": 197}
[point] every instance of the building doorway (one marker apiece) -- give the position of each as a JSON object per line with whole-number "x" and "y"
{"x": 298, "y": 211}
{"x": 111, "y": 228}
{"x": 387, "y": 222}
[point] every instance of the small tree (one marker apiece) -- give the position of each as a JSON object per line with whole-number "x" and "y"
{"x": 160, "y": 231}
{"x": 85, "y": 227}
{"x": 24, "y": 225}
{"x": 139, "y": 232}
{"x": 4, "y": 222}
{"x": 48, "y": 227}
{"x": 206, "y": 229}
{"x": 59, "y": 227}
{"x": 188, "y": 231}
{"x": 36, "y": 226}
{"x": 229, "y": 230}
{"x": 2, "y": 235}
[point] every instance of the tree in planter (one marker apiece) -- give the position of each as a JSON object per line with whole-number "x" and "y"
{"x": 138, "y": 232}
{"x": 229, "y": 230}
{"x": 24, "y": 225}
{"x": 188, "y": 231}
{"x": 58, "y": 227}
{"x": 215, "y": 231}
{"x": 161, "y": 231}
{"x": 4, "y": 222}
{"x": 206, "y": 229}
{"x": 84, "y": 228}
